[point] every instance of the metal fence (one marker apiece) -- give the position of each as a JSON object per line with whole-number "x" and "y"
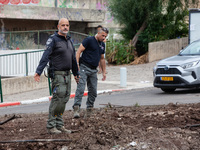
{"x": 19, "y": 40}
{"x": 1, "y": 94}
{"x": 23, "y": 57}
{"x": 24, "y": 63}
{"x": 20, "y": 64}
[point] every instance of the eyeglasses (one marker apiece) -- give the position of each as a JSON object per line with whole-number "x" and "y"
{"x": 105, "y": 30}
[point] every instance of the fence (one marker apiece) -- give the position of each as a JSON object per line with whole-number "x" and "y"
{"x": 1, "y": 94}
{"x": 24, "y": 63}
{"x": 18, "y": 40}
{"x": 20, "y": 64}
{"x": 15, "y": 61}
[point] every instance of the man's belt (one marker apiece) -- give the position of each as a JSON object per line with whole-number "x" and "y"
{"x": 65, "y": 73}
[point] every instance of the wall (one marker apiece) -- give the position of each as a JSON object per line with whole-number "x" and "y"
{"x": 27, "y": 25}
{"x": 25, "y": 9}
{"x": 84, "y": 4}
{"x": 163, "y": 49}
{"x": 48, "y": 3}
{"x": 51, "y": 13}
{"x": 22, "y": 84}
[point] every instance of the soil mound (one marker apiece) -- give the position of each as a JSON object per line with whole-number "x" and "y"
{"x": 166, "y": 127}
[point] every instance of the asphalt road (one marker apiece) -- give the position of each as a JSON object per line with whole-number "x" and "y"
{"x": 146, "y": 96}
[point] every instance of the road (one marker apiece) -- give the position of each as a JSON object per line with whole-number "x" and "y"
{"x": 146, "y": 96}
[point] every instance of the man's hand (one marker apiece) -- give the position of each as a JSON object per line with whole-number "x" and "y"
{"x": 37, "y": 77}
{"x": 77, "y": 79}
{"x": 104, "y": 77}
{"x": 103, "y": 67}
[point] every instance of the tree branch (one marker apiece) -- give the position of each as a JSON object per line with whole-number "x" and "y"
{"x": 135, "y": 38}
{"x": 13, "y": 117}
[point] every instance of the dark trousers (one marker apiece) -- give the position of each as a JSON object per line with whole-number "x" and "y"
{"x": 87, "y": 76}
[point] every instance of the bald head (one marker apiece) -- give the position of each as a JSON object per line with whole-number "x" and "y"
{"x": 63, "y": 26}
{"x": 63, "y": 20}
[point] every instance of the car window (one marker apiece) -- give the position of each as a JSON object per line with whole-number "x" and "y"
{"x": 192, "y": 49}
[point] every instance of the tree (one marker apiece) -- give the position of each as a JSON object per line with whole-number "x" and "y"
{"x": 145, "y": 21}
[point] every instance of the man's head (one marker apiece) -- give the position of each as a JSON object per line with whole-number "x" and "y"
{"x": 63, "y": 26}
{"x": 102, "y": 34}
{"x": 99, "y": 27}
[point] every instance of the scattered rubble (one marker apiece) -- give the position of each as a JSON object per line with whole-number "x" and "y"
{"x": 166, "y": 127}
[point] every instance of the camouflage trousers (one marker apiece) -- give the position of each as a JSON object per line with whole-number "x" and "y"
{"x": 61, "y": 89}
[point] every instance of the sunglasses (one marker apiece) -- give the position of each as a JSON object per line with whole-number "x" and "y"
{"x": 105, "y": 30}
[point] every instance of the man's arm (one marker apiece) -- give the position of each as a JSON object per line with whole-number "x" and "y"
{"x": 103, "y": 66}
{"x": 74, "y": 62}
{"x": 75, "y": 66}
{"x": 78, "y": 53}
{"x": 44, "y": 60}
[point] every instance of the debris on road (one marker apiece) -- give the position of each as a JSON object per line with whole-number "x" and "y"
{"x": 144, "y": 127}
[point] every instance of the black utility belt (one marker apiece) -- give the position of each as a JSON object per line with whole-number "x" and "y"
{"x": 88, "y": 65}
{"x": 66, "y": 73}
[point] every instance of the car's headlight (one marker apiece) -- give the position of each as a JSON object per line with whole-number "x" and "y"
{"x": 154, "y": 68}
{"x": 188, "y": 65}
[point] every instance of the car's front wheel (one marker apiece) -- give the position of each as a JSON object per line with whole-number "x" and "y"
{"x": 168, "y": 90}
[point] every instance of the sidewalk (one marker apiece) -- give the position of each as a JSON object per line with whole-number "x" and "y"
{"x": 138, "y": 76}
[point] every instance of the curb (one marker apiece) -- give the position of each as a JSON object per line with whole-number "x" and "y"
{"x": 45, "y": 99}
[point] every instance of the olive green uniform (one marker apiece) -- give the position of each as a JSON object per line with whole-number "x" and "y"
{"x": 60, "y": 53}
{"x": 61, "y": 88}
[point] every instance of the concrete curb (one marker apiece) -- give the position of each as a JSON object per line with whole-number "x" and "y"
{"x": 45, "y": 99}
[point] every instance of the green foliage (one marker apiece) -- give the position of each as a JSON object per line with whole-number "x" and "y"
{"x": 163, "y": 19}
{"x": 91, "y": 34}
{"x": 119, "y": 52}
{"x": 136, "y": 105}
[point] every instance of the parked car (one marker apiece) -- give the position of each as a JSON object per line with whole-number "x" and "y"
{"x": 180, "y": 71}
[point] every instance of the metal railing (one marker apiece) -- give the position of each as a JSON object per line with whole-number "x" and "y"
{"x": 24, "y": 63}
{"x": 1, "y": 93}
{"x": 19, "y": 40}
{"x": 20, "y": 64}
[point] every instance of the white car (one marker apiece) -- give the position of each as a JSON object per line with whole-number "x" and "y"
{"x": 180, "y": 71}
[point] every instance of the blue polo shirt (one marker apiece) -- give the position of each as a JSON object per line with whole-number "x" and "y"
{"x": 93, "y": 51}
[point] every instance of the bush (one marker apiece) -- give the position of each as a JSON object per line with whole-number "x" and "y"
{"x": 119, "y": 52}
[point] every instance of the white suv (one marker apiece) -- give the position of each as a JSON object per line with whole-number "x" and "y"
{"x": 180, "y": 71}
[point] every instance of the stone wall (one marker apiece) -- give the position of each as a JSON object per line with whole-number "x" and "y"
{"x": 22, "y": 84}
{"x": 163, "y": 49}
{"x": 30, "y": 25}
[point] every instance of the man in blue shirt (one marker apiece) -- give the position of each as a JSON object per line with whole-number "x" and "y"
{"x": 92, "y": 50}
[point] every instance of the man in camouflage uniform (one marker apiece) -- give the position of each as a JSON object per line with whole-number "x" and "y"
{"x": 60, "y": 53}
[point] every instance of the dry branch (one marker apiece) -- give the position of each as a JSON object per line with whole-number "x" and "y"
{"x": 13, "y": 117}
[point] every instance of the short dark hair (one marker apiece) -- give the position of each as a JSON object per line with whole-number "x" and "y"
{"x": 99, "y": 26}
{"x": 105, "y": 30}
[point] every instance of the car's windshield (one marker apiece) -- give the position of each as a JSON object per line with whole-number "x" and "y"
{"x": 192, "y": 49}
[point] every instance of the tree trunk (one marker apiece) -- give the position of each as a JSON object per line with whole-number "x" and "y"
{"x": 135, "y": 38}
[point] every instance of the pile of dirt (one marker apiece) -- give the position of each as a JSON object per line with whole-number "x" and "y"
{"x": 166, "y": 127}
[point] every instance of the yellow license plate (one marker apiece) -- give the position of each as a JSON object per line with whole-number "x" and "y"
{"x": 166, "y": 78}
